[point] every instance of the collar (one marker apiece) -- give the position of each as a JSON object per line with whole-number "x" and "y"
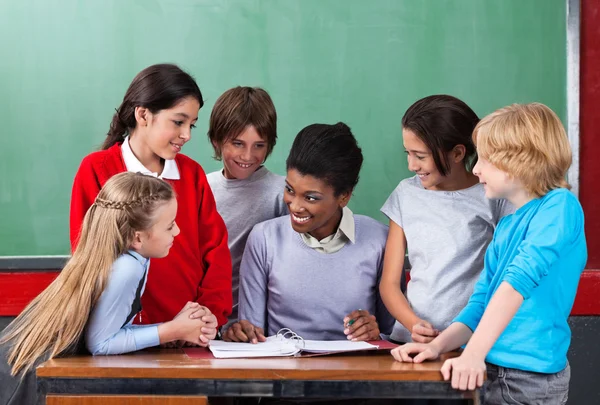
{"x": 143, "y": 260}
{"x": 346, "y": 229}
{"x": 233, "y": 183}
{"x": 347, "y": 224}
{"x": 132, "y": 164}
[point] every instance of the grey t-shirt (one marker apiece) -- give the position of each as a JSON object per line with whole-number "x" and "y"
{"x": 243, "y": 204}
{"x": 447, "y": 233}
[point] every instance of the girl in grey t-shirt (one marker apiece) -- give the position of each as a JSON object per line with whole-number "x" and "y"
{"x": 440, "y": 216}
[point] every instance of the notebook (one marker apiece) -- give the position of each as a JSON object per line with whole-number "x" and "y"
{"x": 288, "y": 343}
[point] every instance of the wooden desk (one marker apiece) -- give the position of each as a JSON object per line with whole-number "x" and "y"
{"x": 170, "y": 374}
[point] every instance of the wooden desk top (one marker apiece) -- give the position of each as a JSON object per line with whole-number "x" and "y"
{"x": 174, "y": 363}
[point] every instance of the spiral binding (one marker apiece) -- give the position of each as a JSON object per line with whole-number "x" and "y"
{"x": 288, "y": 334}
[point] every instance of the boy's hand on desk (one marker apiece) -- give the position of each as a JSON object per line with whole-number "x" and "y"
{"x": 244, "y": 331}
{"x": 360, "y": 325}
{"x": 467, "y": 372}
{"x": 415, "y": 352}
{"x": 423, "y": 332}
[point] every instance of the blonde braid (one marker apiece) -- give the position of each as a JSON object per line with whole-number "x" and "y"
{"x": 124, "y": 205}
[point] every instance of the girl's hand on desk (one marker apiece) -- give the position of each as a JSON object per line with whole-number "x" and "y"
{"x": 360, "y": 325}
{"x": 209, "y": 330}
{"x": 181, "y": 328}
{"x": 406, "y": 353}
{"x": 423, "y": 332}
{"x": 467, "y": 371}
{"x": 244, "y": 331}
{"x": 189, "y": 305}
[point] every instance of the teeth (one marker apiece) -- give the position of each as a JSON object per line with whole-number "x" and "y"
{"x": 176, "y": 146}
{"x": 300, "y": 219}
{"x": 243, "y": 165}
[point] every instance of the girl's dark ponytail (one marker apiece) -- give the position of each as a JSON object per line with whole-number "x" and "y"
{"x": 119, "y": 127}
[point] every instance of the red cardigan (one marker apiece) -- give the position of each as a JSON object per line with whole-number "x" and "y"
{"x": 198, "y": 267}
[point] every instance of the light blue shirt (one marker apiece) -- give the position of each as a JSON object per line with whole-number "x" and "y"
{"x": 540, "y": 250}
{"x": 106, "y": 332}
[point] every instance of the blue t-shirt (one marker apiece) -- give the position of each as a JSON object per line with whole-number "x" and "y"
{"x": 540, "y": 250}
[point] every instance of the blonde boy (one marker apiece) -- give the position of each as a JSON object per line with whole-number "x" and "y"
{"x": 515, "y": 323}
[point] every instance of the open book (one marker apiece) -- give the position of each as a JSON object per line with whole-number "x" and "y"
{"x": 287, "y": 343}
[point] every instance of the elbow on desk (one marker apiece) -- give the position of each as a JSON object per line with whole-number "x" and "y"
{"x": 97, "y": 349}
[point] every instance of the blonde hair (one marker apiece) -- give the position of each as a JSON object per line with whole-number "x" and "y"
{"x": 52, "y": 324}
{"x": 529, "y": 142}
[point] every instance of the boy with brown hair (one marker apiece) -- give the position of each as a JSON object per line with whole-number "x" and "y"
{"x": 243, "y": 132}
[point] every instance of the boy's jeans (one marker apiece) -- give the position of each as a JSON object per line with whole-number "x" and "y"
{"x": 512, "y": 386}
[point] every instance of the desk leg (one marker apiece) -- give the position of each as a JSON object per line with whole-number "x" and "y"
{"x": 125, "y": 400}
{"x": 478, "y": 397}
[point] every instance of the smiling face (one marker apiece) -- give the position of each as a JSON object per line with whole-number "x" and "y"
{"x": 161, "y": 135}
{"x": 313, "y": 206}
{"x": 420, "y": 160}
{"x": 244, "y": 154}
{"x": 157, "y": 241}
{"x": 497, "y": 183}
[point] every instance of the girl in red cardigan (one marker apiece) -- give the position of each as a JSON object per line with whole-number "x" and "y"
{"x": 146, "y": 135}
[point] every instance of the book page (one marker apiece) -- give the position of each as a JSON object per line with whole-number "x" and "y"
{"x": 323, "y": 346}
{"x": 273, "y": 348}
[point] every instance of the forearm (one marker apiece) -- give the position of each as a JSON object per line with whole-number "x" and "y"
{"x": 167, "y": 332}
{"x": 398, "y": 305}
{"x": 502, "y": 308}
{"x": 126, "y": 340}
{"x": 453, "y": 337}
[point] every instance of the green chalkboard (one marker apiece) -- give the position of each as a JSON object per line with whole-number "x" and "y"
{"x": 65, "y": 65}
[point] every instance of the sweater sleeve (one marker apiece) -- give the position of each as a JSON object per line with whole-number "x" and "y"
{"x": 254, "y": 280}
{"x": 214, "y": 290}
{"x": 553, "y": 229}
{"x": 86, "y": 187}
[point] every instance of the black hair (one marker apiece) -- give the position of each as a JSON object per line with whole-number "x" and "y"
{"x": 329, "y": 153}
{"x": 158, "y": 87}
{"x": 442, "y": 122}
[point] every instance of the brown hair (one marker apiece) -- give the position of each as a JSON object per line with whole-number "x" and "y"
{"x": 238, "y": 108}
{"x": 158, "y": 87}
{"x": 528, "y": 142}
{"x": 442, "y": 122}
{"x": 52, "y": 324}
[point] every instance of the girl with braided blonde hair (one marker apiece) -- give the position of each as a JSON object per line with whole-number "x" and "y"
{"x": 93, "y": 301}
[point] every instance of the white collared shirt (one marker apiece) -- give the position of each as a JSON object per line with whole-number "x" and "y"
{"x": 333, "y": 243}
{"x": 170, "y": 171}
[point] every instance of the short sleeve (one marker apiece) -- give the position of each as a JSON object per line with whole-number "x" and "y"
{"x": 393, "y": 206}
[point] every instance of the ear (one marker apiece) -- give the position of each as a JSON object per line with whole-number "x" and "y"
{"x": 142, "y": 116}
{"x": 217, "y": 147}
{"x": 458, "y": 153}
{"x": 137, "y": 241}
{"x": 344, "y": 199}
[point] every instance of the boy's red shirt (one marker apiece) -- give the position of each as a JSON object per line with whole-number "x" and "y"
{"x": 198, "y": 267}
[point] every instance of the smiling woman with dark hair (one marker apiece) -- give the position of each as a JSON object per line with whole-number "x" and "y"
{"x": 317, "y": 270}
